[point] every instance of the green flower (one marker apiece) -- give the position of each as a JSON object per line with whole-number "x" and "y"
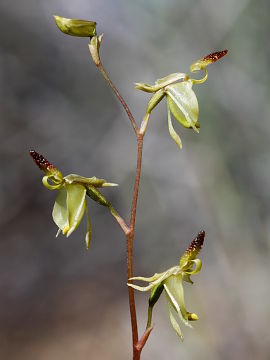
{"x": 70, "y": 204}
{"x": 171, "y": 281}
{"x": 181, "y": 99}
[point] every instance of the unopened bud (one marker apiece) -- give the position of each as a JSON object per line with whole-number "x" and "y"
{"x": 76, "y": 27}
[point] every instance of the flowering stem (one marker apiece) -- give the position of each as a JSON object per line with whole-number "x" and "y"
{"x": 116, "y": 92}
{"x": 129, "y": 230}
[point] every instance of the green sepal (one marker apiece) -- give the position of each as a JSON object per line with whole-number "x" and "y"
{"x": 96, "y": 195}
{"x": 172, "y": 132}
{"x": 60, "y": 211}
{"x": 88, "y": 235}
{"x": 76, "y": 200}
{"x": 55, "y": 184}
{"x": 183, "y": 104}
{"x": 155, "y": 294}
{"x": 174, "y": 323}
{"x": 76, "y": 27}
{"x": 155, "y": 100}
{"x": 170, "y": 79}
{"x": 161, "y": 83}
{"x": 93, "y": 181}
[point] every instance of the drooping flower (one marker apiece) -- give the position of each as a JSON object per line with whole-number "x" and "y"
{"x": 171, "y": 281}
{"x": 70, "y": 204}
{"x": 181, "y": 99}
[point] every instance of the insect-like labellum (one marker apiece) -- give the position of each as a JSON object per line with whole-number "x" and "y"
{"x": 215, "y": 56}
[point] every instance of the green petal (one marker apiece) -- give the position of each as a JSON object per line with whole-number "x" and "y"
{"x": 183, "y": 104}
{"x": 172, "y": 132}
{"x": 60, "y": 213}
{"x": 76, "y": 27}
{"x": 174, "y": 289}
{"x": 141, "y": 288}
{"x": 174, "y": 323}
{"x": 196, "y": 270}
{"x": 49, "y": 186}
{"x": 94, "y": 181}
{"x": 76, "y": 205}
{"x": 155, "y": 294}
{"x": 89, "y": 229}
{"x": 96, "y": 195}
{"x": 169, "y": 79}
{"x": 147, "y": 279}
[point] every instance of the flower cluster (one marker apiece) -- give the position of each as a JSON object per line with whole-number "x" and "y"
{"x": 70, "y": 204}
{"x": 171, "y": 281}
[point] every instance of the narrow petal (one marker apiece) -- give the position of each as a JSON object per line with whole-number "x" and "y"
{"x": 197, "y": 268}
{"x": 147, "y": 279}
{"x": 49, "y": 186}
{"x": 88, "y": 229}
{"x": 76, "y": 195}
{"x": 141, "y": 288}
{"x": 174, "y": 323}
{"x": 74, "y": 178}
{"x": 174, "y": 288}
{"x": 183, "y": 104}
{"x": 60, "y": 212}
{"x": 172, "y": 132}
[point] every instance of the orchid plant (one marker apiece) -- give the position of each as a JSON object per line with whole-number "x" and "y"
{"x": 73, "y": 190}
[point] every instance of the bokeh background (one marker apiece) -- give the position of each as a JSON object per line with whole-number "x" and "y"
{"x": 58, "y": 301}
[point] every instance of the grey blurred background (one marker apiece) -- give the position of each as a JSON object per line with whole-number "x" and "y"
{"x": 58, "y": 301}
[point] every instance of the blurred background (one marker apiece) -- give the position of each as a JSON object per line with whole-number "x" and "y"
{"x": 58, "y": 301}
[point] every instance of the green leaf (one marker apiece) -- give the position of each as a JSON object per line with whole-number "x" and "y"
{"x": 76, "y": 27}
{"x": 60, "y": 212}
{"x": 183, "y": 104}
{"x": 75, "y": 205}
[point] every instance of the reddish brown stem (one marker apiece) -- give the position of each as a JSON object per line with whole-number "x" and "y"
{"x": 122, "y": 101}
{"x": 130, "y": 238}
{"x": 129, "y": 231}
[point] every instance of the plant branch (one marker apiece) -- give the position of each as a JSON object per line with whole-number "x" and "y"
{"x": 120, "y": 220}
{"x": 116, "y": 92}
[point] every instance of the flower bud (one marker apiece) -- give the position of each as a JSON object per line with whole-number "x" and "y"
{"x": 76, "y": 27}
